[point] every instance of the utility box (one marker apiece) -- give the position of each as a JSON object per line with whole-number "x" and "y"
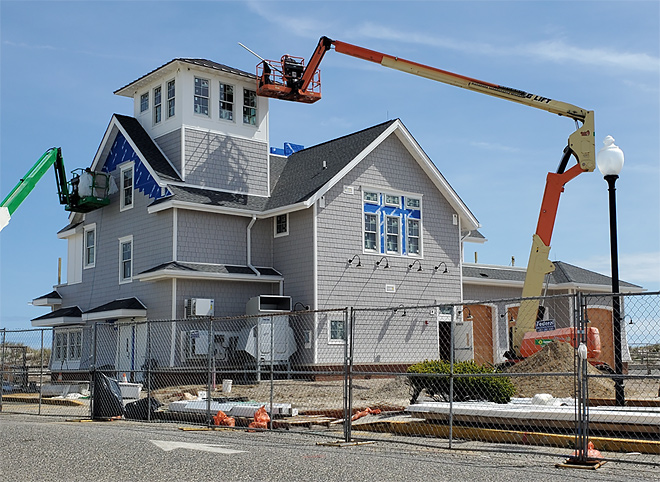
{"x": 268, "y": 304}
{"x": 198, "y": 307}
{"x": 271, "y": 339}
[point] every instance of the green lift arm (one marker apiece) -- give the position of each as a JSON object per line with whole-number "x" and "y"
{"x": 70, "y": 199}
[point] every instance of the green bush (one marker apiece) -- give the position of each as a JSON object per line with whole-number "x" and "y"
{"x": 496, "y": 389}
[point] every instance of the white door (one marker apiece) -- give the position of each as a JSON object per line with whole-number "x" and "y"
{"x": 131, "y": 350}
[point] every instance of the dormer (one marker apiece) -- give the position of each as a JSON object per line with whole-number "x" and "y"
{"x": 208, "y": 121}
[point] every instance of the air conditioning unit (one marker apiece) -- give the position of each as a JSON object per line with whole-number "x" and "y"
{"x": 198, "y": 307}
{"x": 196, "y": 343}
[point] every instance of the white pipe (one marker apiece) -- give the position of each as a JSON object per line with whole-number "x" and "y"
{"x": 249, "y": 245}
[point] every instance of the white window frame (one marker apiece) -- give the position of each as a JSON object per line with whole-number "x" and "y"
{"x": 336, "y": 318}
{"x": 144, "y": 102}
{"x": 158, "y": 105}
{"x": 223, "y": 102}
{"x": 171, "y": 98}
{"x": 406, "y": 206}
{"x": 86, "y": 248}
{"x": 200, "y": 96}
{"x": 67, "y": 345}
{"x": 399, "y": 221}
{"x": 248, "y": 108}
{"x": 364, "y": 232}
{"x": 123, "y": 241}
{"x": 418, "y": 237}
{"x": 276, "y": 224}
{"x": 123, "y": 205}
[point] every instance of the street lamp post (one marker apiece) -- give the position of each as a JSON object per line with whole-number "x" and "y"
{"x": 610, "y": 163}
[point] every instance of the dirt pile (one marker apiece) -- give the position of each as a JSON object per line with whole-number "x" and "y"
{"x": 556, "y": 357}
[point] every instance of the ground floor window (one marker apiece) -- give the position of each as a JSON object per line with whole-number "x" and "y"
{"x": 68, "y": 345}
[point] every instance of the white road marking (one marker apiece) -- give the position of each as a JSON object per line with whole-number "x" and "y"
{"x": 167, "y": 446}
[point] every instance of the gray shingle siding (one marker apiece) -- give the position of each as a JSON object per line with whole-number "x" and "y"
{"x": 294, "y": 256}
{"x": 230, "y": 297}
{"x": 170, "y": 144}
{"x": 224, "y": 162}
{"x": 211, "y": 238}
{"x": 340, "y": 237}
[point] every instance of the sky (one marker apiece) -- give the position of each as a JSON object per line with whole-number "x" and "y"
{"x": 60, "y": 63}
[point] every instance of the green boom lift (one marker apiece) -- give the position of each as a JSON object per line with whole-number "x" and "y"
{"x": 87, "y": 190}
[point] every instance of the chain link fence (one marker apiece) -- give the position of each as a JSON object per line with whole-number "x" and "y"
{"x": 453, "y": 373}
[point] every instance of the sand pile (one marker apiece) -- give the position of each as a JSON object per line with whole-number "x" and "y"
{"x": 557, "y": 357}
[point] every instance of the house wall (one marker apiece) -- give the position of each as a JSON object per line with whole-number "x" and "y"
{"x": 184, "y": 75}
{"x": 215, "y": 160}
{"x": 293, "y": 256}
{"x": 340, "y": 236}
{"x": 211, "y": 238}
{"x": 170, "y": 144}
{"x": 152, "y": 245}
{"x": 262, "y": 242}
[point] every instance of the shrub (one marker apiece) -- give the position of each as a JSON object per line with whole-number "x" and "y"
{"x": 496, "y": 389}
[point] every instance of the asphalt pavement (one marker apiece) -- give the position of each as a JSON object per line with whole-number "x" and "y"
{"x": 38, "y": 448}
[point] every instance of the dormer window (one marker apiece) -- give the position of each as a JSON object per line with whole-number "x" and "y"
{"x": 170, "y": 98}
{"x": 226, "y": 102}
{"x": 157, "y": 105}
{"x": 249, "y": 107}
{"x": 201, "y": 96}
{"x": 144, "y": 102}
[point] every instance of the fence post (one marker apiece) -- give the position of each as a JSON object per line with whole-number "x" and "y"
{"x": 92, "y": 385}
{"x": 148, "y": 368}
{"x": 272, "y": 367}
{"x": 2, "y": 364}
{"x": 41, "y": 369}
{"x": 209, "y": 374}
{"x": 581, "y": 381}
{"x": 349, "y": 320}
{"x": 451, "y": 378}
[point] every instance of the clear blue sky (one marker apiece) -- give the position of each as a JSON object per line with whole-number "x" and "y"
{"x": 61, "y": 62}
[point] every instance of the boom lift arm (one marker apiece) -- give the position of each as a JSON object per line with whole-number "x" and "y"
{"x": 86, "y": 191}
{"x": 581, "y": 144}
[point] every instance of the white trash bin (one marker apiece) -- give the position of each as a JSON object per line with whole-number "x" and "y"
{"x": 226, "y": 385}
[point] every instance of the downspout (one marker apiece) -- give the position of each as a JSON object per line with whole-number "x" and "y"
{"x": 249, "y": 245}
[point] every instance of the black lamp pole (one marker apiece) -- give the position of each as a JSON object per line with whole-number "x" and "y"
{"x": 616, "y": 305}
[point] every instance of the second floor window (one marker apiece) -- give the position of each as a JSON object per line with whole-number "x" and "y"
{"x": 226, "y": 102}
{"x": 126, "y": 259}
{"x": 201, "y": 99}
{"x": 90, "y": 246}
{"x": 392, "y": 224}
{"x": 249, "y": 107}
{"x": 126, "y": 193}
{"x": 170, "y": 98}
{"x": 281, "y": 225}
{"x": 157, "y": 105}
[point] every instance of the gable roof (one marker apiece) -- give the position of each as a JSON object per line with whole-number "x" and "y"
{"x": 564, "y": 275}
{"x": 148, "y": 148}
{"x": 309, "y": 173}
{"x": 137, "y": 84}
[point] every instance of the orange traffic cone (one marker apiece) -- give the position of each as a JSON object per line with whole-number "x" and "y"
{"x": 59, "y": 377}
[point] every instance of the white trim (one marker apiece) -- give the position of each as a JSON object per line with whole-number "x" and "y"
{"x": 89, "y": 227}
{"x": 315, "y": 282}
{"x": 70, "y": 232}
{"x": 122, "y": 241}
{"x": 122, "y": 201}
{"x": 116, "y": 125}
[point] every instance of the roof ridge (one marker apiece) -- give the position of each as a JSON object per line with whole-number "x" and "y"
{"x": 346, "y": 136}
